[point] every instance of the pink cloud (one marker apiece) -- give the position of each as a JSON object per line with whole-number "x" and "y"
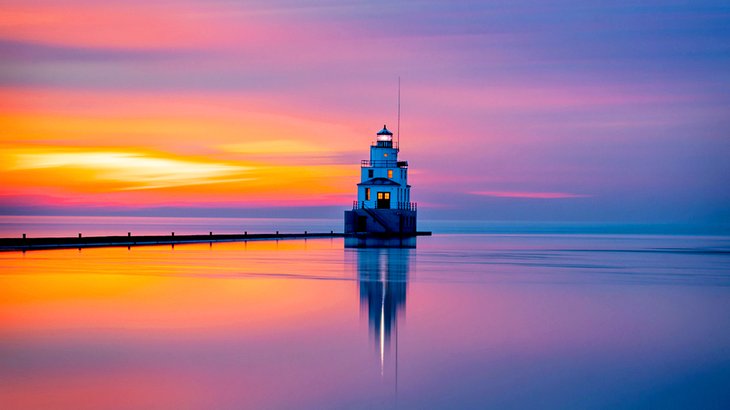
{"x": 142, "y": 25}
{"x": 529, "y": 195}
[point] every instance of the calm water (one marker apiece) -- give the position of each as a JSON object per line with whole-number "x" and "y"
{"x": 463, "y": 321}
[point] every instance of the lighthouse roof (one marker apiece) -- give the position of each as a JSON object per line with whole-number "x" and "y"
{"x": 379, "y": 181}
{"x": 385, "y": 131}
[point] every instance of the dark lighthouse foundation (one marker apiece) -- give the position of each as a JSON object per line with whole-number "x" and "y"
{"x": 384, "y": 221}
{"x": 381, "y": 228}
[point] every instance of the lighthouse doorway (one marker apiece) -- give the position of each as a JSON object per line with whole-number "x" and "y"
{"x": 383, "y": 200}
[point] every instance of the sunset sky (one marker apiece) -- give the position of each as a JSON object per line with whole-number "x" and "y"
{"x": 511, "y": 110}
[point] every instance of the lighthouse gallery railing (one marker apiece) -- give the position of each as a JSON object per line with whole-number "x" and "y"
{"x": 403, "y": 206}
{"x": 383, "y": 164}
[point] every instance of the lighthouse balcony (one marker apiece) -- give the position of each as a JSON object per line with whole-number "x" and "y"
{"x": 366, "y": 163}
{"x": 385, "y": 144}
{"x": 403, "y": 206}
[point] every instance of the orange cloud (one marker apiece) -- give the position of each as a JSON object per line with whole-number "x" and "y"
{"x": 140, "y": 171}
{"x": 233, "y": 125}
{"x": 65, "y": 147}
{"x": 127, "y": 177}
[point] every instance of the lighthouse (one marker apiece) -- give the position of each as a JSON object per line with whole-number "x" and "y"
{"x": 383, "y": 203}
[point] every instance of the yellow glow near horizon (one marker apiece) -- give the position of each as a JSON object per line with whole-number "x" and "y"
{"x": 73, "y": 148}
{"x": 140, "y": 171}
{"x": 59, "y": 148}
{"x": 99, "y": 176}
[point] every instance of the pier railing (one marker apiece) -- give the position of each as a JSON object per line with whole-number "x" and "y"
{"x": 403, "y": 206}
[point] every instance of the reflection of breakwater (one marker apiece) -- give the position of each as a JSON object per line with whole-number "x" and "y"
{"x": 383, "y": 280}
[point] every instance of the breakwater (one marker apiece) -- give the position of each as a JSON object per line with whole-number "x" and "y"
{"x": 25, "y": 243}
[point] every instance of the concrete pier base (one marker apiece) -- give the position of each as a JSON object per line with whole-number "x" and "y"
{"x": 393, "y": 221}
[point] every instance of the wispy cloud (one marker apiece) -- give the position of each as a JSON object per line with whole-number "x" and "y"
{"x": 30, "y": 51}
{"x": 133, "y": 170}
{"x": 529, "y": 195}
{"x": 129, "y": 176}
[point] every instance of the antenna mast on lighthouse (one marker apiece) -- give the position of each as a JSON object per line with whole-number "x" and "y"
{"x": 397, "y": 129}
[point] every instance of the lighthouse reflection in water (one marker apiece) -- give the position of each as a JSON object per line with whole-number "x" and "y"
{"x": 383, "y": 281}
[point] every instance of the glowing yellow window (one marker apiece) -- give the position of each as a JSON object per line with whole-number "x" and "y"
{"x": 367, "y": 194}
{"x": 390, "y": 173}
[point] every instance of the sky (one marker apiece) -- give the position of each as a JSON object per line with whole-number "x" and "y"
{"x": 511, "y": 110}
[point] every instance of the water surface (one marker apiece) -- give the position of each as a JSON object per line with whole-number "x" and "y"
{"x": 463, "y": 321}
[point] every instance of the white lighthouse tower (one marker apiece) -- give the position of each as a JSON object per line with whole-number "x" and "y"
{"x": 383, "y": 195}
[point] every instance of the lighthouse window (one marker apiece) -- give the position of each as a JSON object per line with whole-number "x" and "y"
{"x": 390, "y": 173}
{"x": 367, "y": 194}
{"x": 370, "y": 173}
